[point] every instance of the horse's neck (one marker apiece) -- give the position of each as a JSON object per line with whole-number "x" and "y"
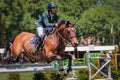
{"x": 59, "y": 37}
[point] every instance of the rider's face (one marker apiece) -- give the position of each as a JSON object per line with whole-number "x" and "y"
{"x": 53, "y": 10}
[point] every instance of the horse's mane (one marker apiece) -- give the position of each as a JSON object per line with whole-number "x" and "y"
{"x": 60, "y": 22}
{"x": 66, "y": 22}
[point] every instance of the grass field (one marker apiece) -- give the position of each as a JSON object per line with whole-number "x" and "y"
{"x": 29, "y": 75}
{"x": 23, "y": 75}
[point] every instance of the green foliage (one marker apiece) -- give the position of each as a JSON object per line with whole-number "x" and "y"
{"x": 55, "y": 76}
{"x": 13, "y": 76}
{"x": 39, "y": 76}
{"x": 96, "y": 22}
{"x": 92, "y": 19}
{"x": 48, "y": 75}
{"x": 114, "y": 72}
{"x": 82, "y": 74}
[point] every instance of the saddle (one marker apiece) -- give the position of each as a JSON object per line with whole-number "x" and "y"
{"x": 39, "y": 42}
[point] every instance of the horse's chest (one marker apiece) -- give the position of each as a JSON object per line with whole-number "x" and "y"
{"x": 61, "y": 49}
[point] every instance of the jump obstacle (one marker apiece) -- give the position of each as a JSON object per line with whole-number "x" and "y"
{"x": 88, "y": 58}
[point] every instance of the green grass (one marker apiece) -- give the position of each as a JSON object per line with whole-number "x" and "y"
{"x": 23, "y": 75}
{"x": 26, "y": 75}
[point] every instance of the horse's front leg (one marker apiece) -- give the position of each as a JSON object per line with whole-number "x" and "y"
{"x": 69, "y": 62}
{"x": 51, "y": 57}
{"x": 59, "y": 58}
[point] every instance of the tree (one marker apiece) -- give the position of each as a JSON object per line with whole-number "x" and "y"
{"x": 92, "y": 19}
{"x": 96, "y": 22}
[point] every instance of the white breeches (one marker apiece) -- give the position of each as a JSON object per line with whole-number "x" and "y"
{"x": 40, "y": 31}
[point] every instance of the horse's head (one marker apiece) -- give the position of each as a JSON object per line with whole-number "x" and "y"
{"x": 68, "y": 31}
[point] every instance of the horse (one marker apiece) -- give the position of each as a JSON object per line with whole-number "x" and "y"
{"x": 53, "y": 47}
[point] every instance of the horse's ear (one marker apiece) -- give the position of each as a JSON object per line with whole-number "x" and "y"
{"x": 67, "y": 23}
{"x": 61, "y": 22}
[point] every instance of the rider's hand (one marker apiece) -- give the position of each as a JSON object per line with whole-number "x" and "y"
{"x": 56, "y": 24}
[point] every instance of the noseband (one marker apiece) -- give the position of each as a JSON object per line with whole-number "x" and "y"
{"x": 67, "y": 35}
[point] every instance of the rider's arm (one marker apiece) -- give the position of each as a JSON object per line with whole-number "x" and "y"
{"x": 37, "y": 23}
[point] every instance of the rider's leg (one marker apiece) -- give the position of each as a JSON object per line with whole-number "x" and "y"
{"x": 40, "y": 31}
{"x": 39, "y": 36}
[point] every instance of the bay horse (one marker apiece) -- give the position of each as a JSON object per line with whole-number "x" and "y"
{"x": 53, "y": 48}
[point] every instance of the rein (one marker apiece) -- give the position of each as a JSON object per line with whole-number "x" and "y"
{"x": 65, "y": 40}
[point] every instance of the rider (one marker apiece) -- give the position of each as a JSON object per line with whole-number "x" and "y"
{"x": 48, "y": 20}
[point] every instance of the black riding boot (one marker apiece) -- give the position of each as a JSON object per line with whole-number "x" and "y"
{"x": 38, "y": 38}
{"x": 40, "y": 43}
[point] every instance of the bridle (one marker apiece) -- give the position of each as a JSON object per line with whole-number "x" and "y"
{"x": 68, "y": 41}
{"x": 73, "y": 36}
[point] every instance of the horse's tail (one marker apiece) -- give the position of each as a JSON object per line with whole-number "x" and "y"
{"x": 7, "y": 49}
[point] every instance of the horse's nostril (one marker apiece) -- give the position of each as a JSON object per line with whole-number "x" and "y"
{"x": 76, "y": 44}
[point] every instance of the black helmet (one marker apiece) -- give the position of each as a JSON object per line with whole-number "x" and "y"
{"x": 51, "y": 4}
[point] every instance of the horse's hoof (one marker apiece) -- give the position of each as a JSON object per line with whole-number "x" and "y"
{"x": 65, "y": 74}
{"x": 61, "y": 69}
{"x": 69, "y": 69}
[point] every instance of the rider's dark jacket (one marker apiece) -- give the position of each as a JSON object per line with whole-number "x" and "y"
{"x": 47, "y": 20}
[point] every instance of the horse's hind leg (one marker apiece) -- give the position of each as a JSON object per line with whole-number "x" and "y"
{"x": 60, "y": 65}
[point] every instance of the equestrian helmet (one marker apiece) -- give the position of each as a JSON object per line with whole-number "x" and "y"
{"x": 51, "y": 5}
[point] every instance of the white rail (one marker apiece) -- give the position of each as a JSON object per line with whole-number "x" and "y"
{"x": 91, "y": 48}
{"x": 33, "y": 68}
{"x": 1, "y": 50}
{"x": 83, "y": 48}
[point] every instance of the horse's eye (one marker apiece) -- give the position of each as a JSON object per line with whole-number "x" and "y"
{"x": 67, "y": 32}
